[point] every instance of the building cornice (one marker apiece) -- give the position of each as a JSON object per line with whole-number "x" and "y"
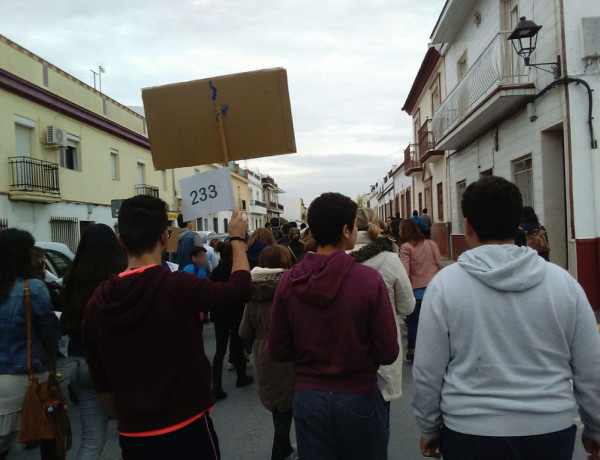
{"x": 427, "y": 67}
{"x": 34, "y": 93}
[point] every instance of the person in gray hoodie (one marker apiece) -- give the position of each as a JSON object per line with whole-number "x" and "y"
{"x": 507, "y": 346}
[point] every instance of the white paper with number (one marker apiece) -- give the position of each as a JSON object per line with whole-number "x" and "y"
{"x": 206, "y": 193}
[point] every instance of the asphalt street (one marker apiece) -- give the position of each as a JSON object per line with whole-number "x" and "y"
{"x": 245, "y": 429}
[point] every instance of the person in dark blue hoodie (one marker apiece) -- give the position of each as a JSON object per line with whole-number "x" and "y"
{"x": 260, "y": 239}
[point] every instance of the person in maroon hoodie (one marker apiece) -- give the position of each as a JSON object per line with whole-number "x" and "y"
{"x": 143, "y": 339}
{"x": 333, "y": 318}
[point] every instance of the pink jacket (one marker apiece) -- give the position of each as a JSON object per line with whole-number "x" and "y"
{"x": 421, "y": 262}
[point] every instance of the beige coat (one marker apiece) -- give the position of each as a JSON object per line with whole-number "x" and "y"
{"x": 276, "y": 380}
{"x": 390, "y": 267}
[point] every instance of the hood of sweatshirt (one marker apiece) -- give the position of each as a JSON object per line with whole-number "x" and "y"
{"x": 318, "y": 279}
{"x": 125, "y": 300}
{"x": 265, "y": 281}
{"x": 504, "y": 267}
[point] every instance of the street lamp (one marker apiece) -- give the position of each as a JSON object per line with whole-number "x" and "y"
{"x": 524, "y": 41}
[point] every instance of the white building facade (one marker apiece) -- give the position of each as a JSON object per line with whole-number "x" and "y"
{"x": 523, "y": 123}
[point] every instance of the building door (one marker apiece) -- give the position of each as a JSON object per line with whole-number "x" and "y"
{"x": 24, "y": 170}
{"x": 553, "y": 213}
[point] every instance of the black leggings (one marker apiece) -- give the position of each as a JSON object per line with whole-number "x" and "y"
{"x": 282, "y": 422}
{"x": 236, "y": 354}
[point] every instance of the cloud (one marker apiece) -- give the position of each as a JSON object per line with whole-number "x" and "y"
{"x": 350, "y": 66}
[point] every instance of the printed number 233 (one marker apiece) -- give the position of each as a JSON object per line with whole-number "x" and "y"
{"x": 203, "y": 194}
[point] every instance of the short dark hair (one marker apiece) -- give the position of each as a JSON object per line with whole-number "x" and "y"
{"x": 493, "y": 207}
{"x": 285, "y": 228}
{"x": 180, "y": 222}
{"x": 275, "y": 221}
{"x": 15, "y": 258}
{"x": 327, "y": 216}
{"x": 142, "y": 221}
{"x": 416, "y": 213}
{"x": 197, "y": 250}
{"x": 424, "y": 210}
{"x": 294, "y": 224}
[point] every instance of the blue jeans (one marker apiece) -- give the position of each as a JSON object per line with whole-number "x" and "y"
{"x": 92, "y": 413}
{"x": 412, "y": 324}
{"x": 340, "y": 426}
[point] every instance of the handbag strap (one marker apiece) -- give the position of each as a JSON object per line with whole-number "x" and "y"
{"x": 27, "y": 294}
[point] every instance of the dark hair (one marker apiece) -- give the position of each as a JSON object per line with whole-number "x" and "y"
{"x": 294, "y": 224}
{"x": 275, "y": 257}
{"x": 98, "y": 256}
{"x": 327, "y": 216}
{"x": 37, "y": 262}
{"x": 410, "y": 233}
{"x": 15, "y": 258}
{"x": 395, "y": 229}
{"x": 424, "y": 210}
{"x": 275, "y": 221}
{"x": 415, "y": 213}
{"x": 285, "y": 228}
{"x": 528, "y": 216}
{"x": 180, "y": 222}
{"x": 225, "y": 250}
{"x": 142, "y": 221}
{"x": 397, "y": 215}
{"x": 493, "y": 207}
{"x": 197, "y": 250}
{"x": 268, "y": 224}
{"x": 302, "y": 226}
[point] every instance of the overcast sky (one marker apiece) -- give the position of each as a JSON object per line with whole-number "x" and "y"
{"x": 350, "y": 66}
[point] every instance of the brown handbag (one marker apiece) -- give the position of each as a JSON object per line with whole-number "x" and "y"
{"x": 44, "y": 414}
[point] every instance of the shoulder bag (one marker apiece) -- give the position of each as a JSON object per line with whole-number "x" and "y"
{"x": 44, "y": 414}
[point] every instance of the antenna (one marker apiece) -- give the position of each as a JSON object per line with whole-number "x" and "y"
{"x": 101, "y": 70}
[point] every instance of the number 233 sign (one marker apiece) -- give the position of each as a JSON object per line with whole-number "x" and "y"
{"x": 206, "y": 193}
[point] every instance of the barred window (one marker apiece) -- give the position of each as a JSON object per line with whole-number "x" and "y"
{"x": 65, "y": 230}
{"x": 523, "y": 178}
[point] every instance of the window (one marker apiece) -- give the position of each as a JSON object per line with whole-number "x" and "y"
{"x": 199, "y": 224}
{"x": 460, "y": 191}
{"x": 65, "y": 230}
{"x": 461, "y": 66}
{"x": 440, "y": 201}
{"x": 523, "y": 178}
{"x": 23, "y": 130}
{"x": 3, "y": 224}
{"x": 216, "y": 225}
{"x": 114, "y": 164}
{"x": 69, "y": 155}
{"x": 436, "y": 95}
{"x": 58, "y": 261}
{"x": 141, "y": 171}
{"x": 225, "y": 223}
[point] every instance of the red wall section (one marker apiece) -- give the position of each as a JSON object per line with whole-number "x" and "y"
{"x": 588, "y": 269}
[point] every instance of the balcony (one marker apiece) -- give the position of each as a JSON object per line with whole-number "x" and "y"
{"x": 258, "y": 207}
{"x": 426, "y": 144}
{"x": 241, "y": 205}
{"x": 412, "y": 165}
{"x": 144, "y": 189}
{"x": 274, "y": 207}
{"x": 492, "y": 88}
{"x": 33, "y": 180}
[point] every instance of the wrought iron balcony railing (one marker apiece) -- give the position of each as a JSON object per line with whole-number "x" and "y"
{"x": 411, "y": 160}
{"x": 32, "y": 175}
{"x": 495, "y": 67}
{"x": 144, "y": 189}
{"x": 258, "y": 203}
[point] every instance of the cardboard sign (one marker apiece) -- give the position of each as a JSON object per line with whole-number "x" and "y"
{"x": 183, "y": 124}
{"x": 173, "y": 240}
{"x": 206, "y": 193}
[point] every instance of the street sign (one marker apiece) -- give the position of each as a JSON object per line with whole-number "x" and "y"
{"x": 206, "y": 193}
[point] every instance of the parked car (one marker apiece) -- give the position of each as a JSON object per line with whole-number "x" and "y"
{"x": 58, "y": 259}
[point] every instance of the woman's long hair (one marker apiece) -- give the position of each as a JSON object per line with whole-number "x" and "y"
{"x": 367, "y": 221}
{"x": 410, "y": 233}
{"x": 15, "y": 258}
{"x": 261, "y": 235}
{"x": 275, "y": 257}
{"x": 98, "y": 256}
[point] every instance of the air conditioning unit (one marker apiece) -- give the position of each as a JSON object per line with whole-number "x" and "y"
{"x": 56, "y": 136}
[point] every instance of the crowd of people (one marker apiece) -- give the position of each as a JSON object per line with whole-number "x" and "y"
{"x": 503, "y": 343}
